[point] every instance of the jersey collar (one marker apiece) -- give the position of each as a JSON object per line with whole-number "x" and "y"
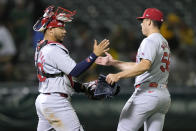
{"x": 54, "y": 42}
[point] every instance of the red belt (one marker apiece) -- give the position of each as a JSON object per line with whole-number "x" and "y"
{"x": 152, "y": 84}
{"x": 61, "y": 94}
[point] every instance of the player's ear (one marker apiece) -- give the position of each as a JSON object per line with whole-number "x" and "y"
{"x": 149, "y": 21}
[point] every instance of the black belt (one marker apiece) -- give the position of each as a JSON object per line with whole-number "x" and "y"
{"x": 61, "y": 94}
{"x": 50, "y": 75}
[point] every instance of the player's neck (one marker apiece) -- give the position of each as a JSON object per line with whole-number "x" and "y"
{"x": 153, "y": 30}
{"x": 49, "y": 38}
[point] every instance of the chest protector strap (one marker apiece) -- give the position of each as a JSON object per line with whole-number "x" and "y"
{"x": 40, "y": 45}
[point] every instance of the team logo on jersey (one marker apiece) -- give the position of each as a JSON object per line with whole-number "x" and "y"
{"x": 164, "y": 45}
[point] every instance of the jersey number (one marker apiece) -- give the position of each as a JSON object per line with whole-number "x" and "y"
{"x": 40, "y": 68}
{"x": 165, "y": 60}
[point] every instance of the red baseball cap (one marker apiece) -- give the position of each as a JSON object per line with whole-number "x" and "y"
{"x": 153, "y": 14}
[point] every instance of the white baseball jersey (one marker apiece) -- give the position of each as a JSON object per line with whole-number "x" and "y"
{"x": 154, "y": 48}
{"x": 148, "y": 104}
{"x": 53, "y": 59}
{"x": 55, "y": 112}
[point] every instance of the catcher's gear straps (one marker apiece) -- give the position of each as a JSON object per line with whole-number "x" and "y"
{"x": 40, "y": 45}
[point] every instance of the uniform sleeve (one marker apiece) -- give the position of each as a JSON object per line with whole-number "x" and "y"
{"x": 148, "y": 50}
{"x": 62, "y": 60}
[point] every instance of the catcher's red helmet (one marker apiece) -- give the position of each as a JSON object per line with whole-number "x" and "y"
{"x": 53, "y": 18}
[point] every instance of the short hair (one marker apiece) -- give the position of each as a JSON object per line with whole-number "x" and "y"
{"x": 157, "y": 23}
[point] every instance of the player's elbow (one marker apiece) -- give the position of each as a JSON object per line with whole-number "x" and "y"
{"x": 145, "y": 65}
{"x": 142, "y": 70}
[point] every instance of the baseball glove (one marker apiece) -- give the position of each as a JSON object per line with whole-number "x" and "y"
{"x": 100, "y": 89}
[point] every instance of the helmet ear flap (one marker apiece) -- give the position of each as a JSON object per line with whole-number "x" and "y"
{"x": 39, "y": 26}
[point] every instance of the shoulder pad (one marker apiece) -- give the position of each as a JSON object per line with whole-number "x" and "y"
{"x": 41, "y": 44}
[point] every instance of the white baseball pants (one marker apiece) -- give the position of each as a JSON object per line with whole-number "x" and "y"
{"x": 56, "y": 112}
{"x": 147, "y": 106}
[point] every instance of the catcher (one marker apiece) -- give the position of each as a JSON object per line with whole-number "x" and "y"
{"x": 55, "y": 69}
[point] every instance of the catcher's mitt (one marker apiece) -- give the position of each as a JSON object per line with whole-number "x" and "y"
{"x": 100, "y": 89}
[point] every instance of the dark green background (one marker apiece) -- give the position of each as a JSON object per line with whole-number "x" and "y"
{"x": 17, "y": 110}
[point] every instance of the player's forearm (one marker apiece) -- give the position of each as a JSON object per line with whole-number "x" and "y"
{"x": 123, "y": 65}
{"x": 129, "y": 73}
{"x": 83, "y": 65}
{"x": 136, "y": 70}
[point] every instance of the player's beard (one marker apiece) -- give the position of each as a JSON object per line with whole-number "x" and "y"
{"x": 59, "y": 38}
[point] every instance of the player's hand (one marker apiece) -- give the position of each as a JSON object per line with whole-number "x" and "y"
{"x": 111, "y": 78}
{"x": 106, "y": 61}
{"x": 101, "y": 47}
